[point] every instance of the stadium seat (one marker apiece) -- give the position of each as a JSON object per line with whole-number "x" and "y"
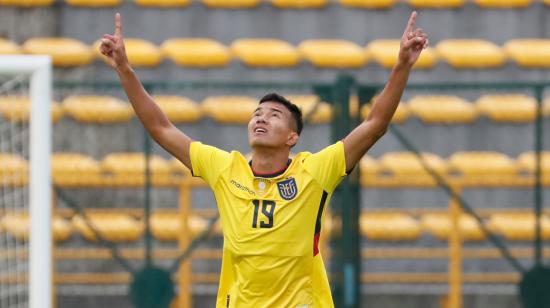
{"x": 442, "y": 109}
{"x": 436, "y": 3}
{"x": 546, "y": 107}
{"x": 8, "y": 47}
{"x": 17, "y": 225}
{"x": 141, "y": 53}
{"x": 503, "y": 3}
{"x": 129, "y": 169}
{"x": 408, "y": 164}
{"x": 27, "y": 3}
{"x": 115, "y": 227}
{"x": 472, "y": 164}
{"x": 97, "y": 109}
{"x": 163, "y": 3}
{"x": 94, "y": 3}
{"x": 402, "y": 112}
{"x": 73, "y": 169}
{"x": 333, "y": 53}
{"x": 14, "y": 170}
{"x": 17, "y": 109}
{"x": 167, "y": 226}
{"x": 369, "y": 166}
{"x": 526, "y": 162}
{"x": 299, "y": 4}
{"x": 313, "y": 110}
{"x": 65, "y": 52}
{"x": 265, "y": 53}
{"x": 179, "y": 109}
{"x": 529, "y": 52}
{"x": 389, "y": 227}
{"x": 178, "y": 167}
{"x": 196, "y": 52}
{"x": 507, "y": 108}
{"x": 471, "y": 53}
{"x": 439, "y": 225}
{"x": 385, "y": 52}
{"x": 518, "y": 226}
{"x": 231, "y": 4}
{"x": 230, "y": 109}
{"x": 369, "y": 4}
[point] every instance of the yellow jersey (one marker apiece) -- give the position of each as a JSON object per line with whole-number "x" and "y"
{"x": 271, "y": 226}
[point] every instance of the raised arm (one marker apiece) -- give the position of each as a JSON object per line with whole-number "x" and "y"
{"x": 152, "y": 117}
{"x": 363, "y": 137}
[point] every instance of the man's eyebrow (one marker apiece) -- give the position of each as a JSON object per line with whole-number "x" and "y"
{"x": 275, "y": 109}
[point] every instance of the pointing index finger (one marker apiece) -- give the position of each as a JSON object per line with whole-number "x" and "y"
{"x": 118, "y": 25}
{"x": 410, "y": 23}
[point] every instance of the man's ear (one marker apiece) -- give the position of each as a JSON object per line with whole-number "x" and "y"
{"x": 292, "y": 139}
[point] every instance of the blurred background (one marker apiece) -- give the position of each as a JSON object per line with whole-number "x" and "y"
{"x": 467, "y": 144}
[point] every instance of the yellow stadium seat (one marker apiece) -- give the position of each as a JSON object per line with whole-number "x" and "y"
{"x": 369, "y": 4}
{"x": 179, "y": 109}
{"x": 313, "y": 110}
{"x": 65, "y": 52}
{"x": 442, "y": 109}
{"x": 299, "y": 4}
{"x": 73, "y": 169}
{"x": 94, "y": 3}
{"x": 231, "y": 4}
{"x": 389, "y": 227}
{"x": 526, "y": 161}
{"x": 401, "y": 114}
{"x": 14, "y": 170}
{"x": 163, "y": 3}
{"x": 385, "y": 52}
{"x": 529, "y": 52}
{"x": 333, "y": 53}
{"x": 507, "y": 108}
{"x": 230, "y": 109}
{"x": 17, "y": 109}
{"x": 115, "y": 227}
{"x": 129, "y": 168}
{"x": 265, "y": 53}
{"x": 369, "y": 166}
{"x": 167, "y": 226}
{"x": 141, "y": 53}
{"x": 436, "y": 3}
{"x": 408, "y": 164}
{"x": 503, "y": 3}
{"x": 196, "y": 52}
{"x": 97, "y": 109}
{"x": 518, "y": 226}
{"x": 546, "y": 107}
{"x": 17, "y": 225}
{"x": 8, "y": 47}
{"x": 27, "y": 3}
{"x": 482, "y": 164}
{"x": 471, "y": 53}
{"x": 179, "y": 168}
{"x": 439, "y": 225}
{"x": 547, "y": 2}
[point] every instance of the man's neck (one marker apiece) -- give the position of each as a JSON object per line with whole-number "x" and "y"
{"x": 269, "y": 161}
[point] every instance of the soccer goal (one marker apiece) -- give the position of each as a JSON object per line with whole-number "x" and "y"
{"x": 25, "y": 193}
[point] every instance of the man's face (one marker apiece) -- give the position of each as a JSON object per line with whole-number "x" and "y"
{"x": 271, "y": 126}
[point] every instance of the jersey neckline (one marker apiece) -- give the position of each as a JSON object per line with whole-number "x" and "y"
{"x": 270, "y": 175}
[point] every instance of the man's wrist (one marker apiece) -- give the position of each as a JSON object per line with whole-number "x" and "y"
{"x": 403, "y": 65}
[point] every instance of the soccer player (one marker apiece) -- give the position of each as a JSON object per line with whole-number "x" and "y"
{"x": 271, "y": 207}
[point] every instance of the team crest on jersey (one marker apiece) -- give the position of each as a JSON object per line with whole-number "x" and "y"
{"x": 288, "y": 189}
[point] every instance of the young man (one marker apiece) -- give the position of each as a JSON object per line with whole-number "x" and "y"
{"x": 270, "y": 207}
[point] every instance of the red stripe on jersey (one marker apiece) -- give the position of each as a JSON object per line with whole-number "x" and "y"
{"x": 316, "y": 244}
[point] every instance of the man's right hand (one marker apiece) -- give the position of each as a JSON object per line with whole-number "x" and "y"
{"x": 112, "y": 47}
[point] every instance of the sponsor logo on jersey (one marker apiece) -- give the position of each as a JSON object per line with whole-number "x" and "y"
{"x": 242, "y": 187}
{"x": 288, "y": 189}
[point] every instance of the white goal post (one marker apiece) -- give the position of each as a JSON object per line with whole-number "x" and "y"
{"x": 37, "y": 70}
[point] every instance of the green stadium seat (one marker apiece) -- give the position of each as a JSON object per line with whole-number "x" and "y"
{"x": 231, "y": 4}
{"x": 385, "y": 53}
{"x": 178, "y": 109}
{"x": 471, "y": 53}
{"x": 333, "y": 53}
{"x": 65, "y": 52}
{"x": 115, "y": 227}
{"x": 265, "y": 53}
{"x": 197, "y": 52}
{"x": 389, "y": 227}
{"x": 27, "y": 3}
{"x": 436, "y": 3}
{"x": 14, "y": 170}
{"x": 97, "y": 109}
{"x": 94, "y": 3}
{"x": 17, "y": 109}
{"x": 503, "y": 3}
{"x": 299, "y": 4}
{"x": 322, "y": 112}
{"x": 518, "y": 226}
{"x": 75, "y": 170}
{"x": 439, "y": 225}
{"x": 369, "y": 4}
{"x": 141, "y": 53}
{"x": 163, "y": 3}
{"x": 230, "y": 109}
{"x": 129, "y": 169}
{"x": 482, "y": 163}
{"x": 407, "y": 164}
{"x": 526, "y": 162}
{"x": 529, "y": 53}
{"x": 8, "y": 47}
{"x": 507, "y": 108}
{"x": 442, "y": 109}
{"x": 17, "y": 225}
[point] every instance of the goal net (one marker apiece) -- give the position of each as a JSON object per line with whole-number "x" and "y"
{"x": 25, "y": 189}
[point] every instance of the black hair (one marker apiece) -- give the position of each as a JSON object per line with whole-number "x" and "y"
{"x": 294, "y": 110}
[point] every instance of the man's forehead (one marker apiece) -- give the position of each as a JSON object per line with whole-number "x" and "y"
{"x": 273, "y": 106}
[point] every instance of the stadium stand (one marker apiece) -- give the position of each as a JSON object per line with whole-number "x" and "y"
{"x": 299, "y": 4}
{"x": 166, "y": 226}
{"x": 97, "y": 109}
{"x": 471, "y": 53}
{"x": 179, "y": 109}
{"x": 65, "y": 52}
{"x": 197, "y": 52}
{"x": 116, "y": 227}
{"x": 27, "y": 3}
{"x": 333, "y": 53}
{"x": 163, "y": 3}
{"x": 17, "y": 109}
{"x": 315, "y": 111}
{"x": 14, "y": 170}
{"x": 389, "y": 227}
{"x": 8, "y": 47}
{"x": 436, "y": 3}
{"x": 407, "y": 164}
{"x": 385, "y": 52}
{"x": 507, "y": 108}
{"x": 129, "y": 169}
{"x": 141, "y": 53}
{"x": 369, "y": 166}
{"x": 529, "y": 53}
{"x": 401, "y": 114}
{"x": 265, "y": 53}
{"x": 94, "y": 3}
{"x": 503, "y": 3}
{"x": 482, "y": 163}
{"x": 369, "y": 4}
{"x": 439, "y": 225}
{"x": 526, "y": 162}
{"x": 229, "y": 109}
{"x": 442, "y": 109}
{"x": 75, "y": 170}
{"x": 231, "y": 4}
{"x": 518, "y": 226}
{"x": 17, "y": 225}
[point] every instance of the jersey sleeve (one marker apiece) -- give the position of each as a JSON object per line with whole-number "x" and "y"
{"x": 207, "y": 161}
{"x": 327, "y": 166}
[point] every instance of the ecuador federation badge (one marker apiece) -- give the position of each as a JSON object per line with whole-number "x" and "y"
{"x": 288, "y": 188}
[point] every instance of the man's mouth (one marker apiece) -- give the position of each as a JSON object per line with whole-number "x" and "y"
{"x": 259, "y": 130}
